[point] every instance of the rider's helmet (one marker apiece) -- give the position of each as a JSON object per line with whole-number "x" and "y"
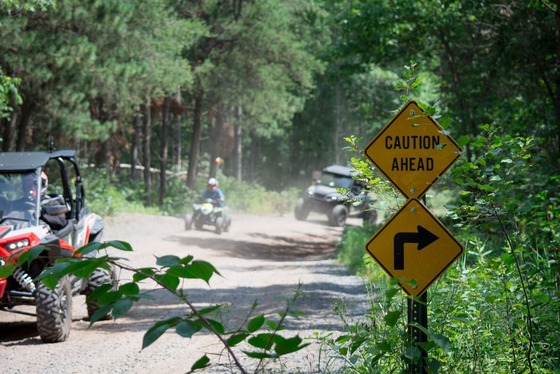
{"x": 212, "y": 182}
{"x": 44, "y": 183}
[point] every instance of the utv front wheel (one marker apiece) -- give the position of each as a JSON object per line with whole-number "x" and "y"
{"x": 302, "y": 210}
{"x": 370, "y": 217}
{"x": 54, "y": 311}
{"x": 98, "y": 278}
{"x": 338, "y": 216}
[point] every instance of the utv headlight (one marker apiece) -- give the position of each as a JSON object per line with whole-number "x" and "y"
{"x": 17, "y": 244}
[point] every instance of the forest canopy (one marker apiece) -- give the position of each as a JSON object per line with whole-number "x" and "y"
{"x": 269, "y": 87}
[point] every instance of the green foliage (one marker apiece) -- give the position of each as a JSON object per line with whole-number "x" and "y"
{"x": 8, "y": 93}
{"x": 27, "y": 5}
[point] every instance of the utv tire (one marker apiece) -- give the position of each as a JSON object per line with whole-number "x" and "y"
{"x": 338, "y": 216}
{"x": 370, "y": 217}
{"x": 54, "y": 311}
{"x": 219, "y": 225}
{"x": 302, "y": 210}
{"x": 188, "y": 222}
{"x": 98, "y": 278}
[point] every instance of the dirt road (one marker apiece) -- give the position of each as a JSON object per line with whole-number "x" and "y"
{"x": 262, "y": 258}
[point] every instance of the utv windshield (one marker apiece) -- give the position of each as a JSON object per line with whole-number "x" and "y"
{"x": 335, "y": 180}
{"x": 19, "y": 198}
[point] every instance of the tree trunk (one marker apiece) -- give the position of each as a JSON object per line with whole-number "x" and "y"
{"x": 239, "y": 145}
{"x": 178, "y": 142}
{"x": 135, "y": 146}
{"x": 147, "y": 159}
{"x": 164, "y": 149}
{"x": 9, "y": 133}
{"x": 26, "y": 110}
{"x": 195, "y": 141}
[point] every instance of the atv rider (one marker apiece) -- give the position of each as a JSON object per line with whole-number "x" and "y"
{"x": 214, "y": 193}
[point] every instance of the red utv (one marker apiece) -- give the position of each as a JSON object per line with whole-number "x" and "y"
{"x": 42, "y": 210}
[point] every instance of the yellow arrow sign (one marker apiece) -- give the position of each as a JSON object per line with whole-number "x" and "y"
{"x": 414, "y": 247}
{"x": 412, "y": 151}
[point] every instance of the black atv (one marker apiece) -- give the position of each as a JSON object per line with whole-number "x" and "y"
{"x": 50, "y": 219}
{"x": 325, "y": 196}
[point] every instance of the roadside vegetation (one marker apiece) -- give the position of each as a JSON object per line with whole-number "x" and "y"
{"x": 497, "y": 308}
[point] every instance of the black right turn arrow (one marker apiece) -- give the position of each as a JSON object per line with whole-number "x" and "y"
{"x": 423, "y": 237}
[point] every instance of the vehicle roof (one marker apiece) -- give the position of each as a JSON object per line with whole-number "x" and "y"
{"x": 339, "y": 169}
{"x": 16, "y": 161}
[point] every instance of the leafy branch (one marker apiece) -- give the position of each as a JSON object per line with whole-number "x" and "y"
{"x": 257, "y": 331}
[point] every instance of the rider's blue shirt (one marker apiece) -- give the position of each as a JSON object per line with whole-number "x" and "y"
{"x": 215, "y": 194}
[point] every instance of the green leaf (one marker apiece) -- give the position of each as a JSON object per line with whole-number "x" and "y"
{"x": 186, "y": 260}
{"x": 157, "y": 330}
{"x": 121, "y": 307}
{"x": 391, "y": 318}
{"x": 142, "y": 274}
{"x": 216, "y": 326}
{"x": 6, "y": 270}
{"x": 443, "y": 342}
{"x": 200, "y": 363}
{"x": 168, "y": 280}
{"x": 101, "y": 293}
{"x": 209, "y": 309}
{"x": 83, "y": 268}
{"x": 263, "y": 341}
{"x": 31, "y": 255}
{"x": 118, "y": 244}
{"x": 287, "y": 346}
{"x": 91, "y": 247}
{"x": 255, "y": 323}
{"x": 236, "y": 339}
{"x": 463, "y": 140}
{"x": 200, "y": 270}
{"x": 168, "y": 261}
{"x": 100, "y": 313}
{"x": 187, "y": 328}
{"x": 130, "y": 288}
{"x": 412, "y": 353}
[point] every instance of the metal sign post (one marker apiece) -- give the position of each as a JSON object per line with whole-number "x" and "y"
{"x": 418, "y": 315}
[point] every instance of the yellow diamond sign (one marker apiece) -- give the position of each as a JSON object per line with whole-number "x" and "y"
{"x": 412, "y": 151}
{"x": 414, "y": 247}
